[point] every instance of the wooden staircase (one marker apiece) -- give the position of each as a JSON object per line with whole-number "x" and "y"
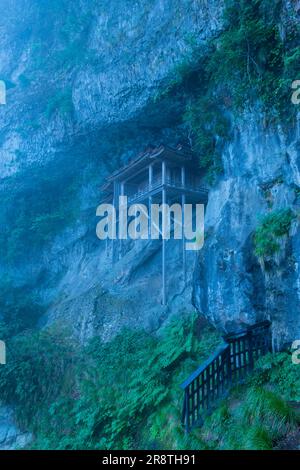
{"x": 229, "y": 365}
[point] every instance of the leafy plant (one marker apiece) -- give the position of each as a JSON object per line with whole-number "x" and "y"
{"x": 125, "y": 394}
{"x": 38, "y": 366}
{"x": 251, "y": 418}
{"x": 210, "y": 130}
{"x": 62, "y": 102}
{"x": 279, "y": 372}
{"x": 249, "y": 64}
{"x": 248, "y": 59}
{"x": 41, "y": 213}
{"x": 273, "y": 226}
{"x": 106, "y": 395}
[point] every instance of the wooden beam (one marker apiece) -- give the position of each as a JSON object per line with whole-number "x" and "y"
{"x": 164, "y": 201}
{"x": 150, "y": 174}
{"x": 163, "y": 171}
{"x": 115, "y": 204}
{"x": 150, "y": 198}
{"x": 183, "y": 176}
{"x": 183, "y": 241}
{"x": 121, "y": 243}
{"x": 183, "y": 201}
{"x": 164, "y": 295}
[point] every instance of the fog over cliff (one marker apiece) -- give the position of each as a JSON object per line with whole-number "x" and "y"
{"x": 89, "y": 85}
{"x": 86, "y": 92}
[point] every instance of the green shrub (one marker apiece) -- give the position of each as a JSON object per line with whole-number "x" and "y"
{"x": 258, "y": 438}
{"x": 279, "y": 372}
{"x": 210, "y": 129}
{"x": 273, "y": 226}
{"x": 33, "y": 217}
{"x": 248, "y": 64}
{"x": 252, "y": 418}
{"x": 122, "y": 394}
{"x": 267, "y": 407}
{"x": 249, "y": 58}
{"x": 125, "y": 394}
{"x": 60, "y": 102}
{"x": 38, "y": 366}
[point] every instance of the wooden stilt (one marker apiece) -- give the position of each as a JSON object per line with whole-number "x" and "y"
{"x": 183, "y": 200}
{"x": 115, "y": 202}
{"x": 149, "y": 216}
{"x": 160, "y": 167}
{"x": 120, "y": 237}
{"x": 113, "y": 251}
{"x": 183, "y": 241}
{"x": 164, "y": 201}
{"x": 150, "y": 198}
{"x": 164, "y": 295}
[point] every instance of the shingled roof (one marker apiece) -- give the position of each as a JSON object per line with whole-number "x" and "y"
{"x": 180, "y": 154}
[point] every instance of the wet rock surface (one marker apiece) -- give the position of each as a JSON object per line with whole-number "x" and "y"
{"x": 233, "y": 287}
{"x": 11, "y": 437}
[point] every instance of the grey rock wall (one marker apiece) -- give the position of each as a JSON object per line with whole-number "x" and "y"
{"x": 83, "y": 94}
{"x": 232, "y": 287}
{"x": 82, "y": 98}
{"x": 11, "y": 438}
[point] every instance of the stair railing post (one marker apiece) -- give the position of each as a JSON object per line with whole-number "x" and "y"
{"x": 229, "y": 370}
{"x": 187, "y": 411}
{"x": 183, "y": 415}
{"x": 250, "y": 347}
{"x": 224, "y": 368}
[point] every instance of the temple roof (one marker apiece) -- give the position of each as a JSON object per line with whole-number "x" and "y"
{"x": 180, "y": 154}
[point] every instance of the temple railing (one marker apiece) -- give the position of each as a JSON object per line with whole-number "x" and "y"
{"x": 228, "y": 366}
{"x": 171, "y": 182}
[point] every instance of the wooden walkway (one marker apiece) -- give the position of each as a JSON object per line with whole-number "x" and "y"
{"x": 229, "y": 365}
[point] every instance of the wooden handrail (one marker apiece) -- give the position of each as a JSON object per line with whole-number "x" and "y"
{"x": 157, "y": 182}
{"x": 204, "y": 366}
{"x": 228, "y": 365}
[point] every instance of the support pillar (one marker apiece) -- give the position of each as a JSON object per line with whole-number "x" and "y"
{"x": 114, "y": 249}
{"x": 164, "y": 201}
{"x": 150, "y": 175}
{"x": 113, "y": 242}
{"x": 150, "y": 199}
{"x": 183, "y": 176}
{"x": 183, "y": 201}
{"x": 163, "y": 172}
{"x": 164, "y": 295}
{"x": 120, "y": 251}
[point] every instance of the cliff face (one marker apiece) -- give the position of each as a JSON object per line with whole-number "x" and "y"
{"x": 85, "y": 92}
{"x": 232, "y": 286}
{"x": 10, "y": 436}
{"x": 74, "y": 70}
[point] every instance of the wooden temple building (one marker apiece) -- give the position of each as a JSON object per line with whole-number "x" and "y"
{"x": 161, "y": 175}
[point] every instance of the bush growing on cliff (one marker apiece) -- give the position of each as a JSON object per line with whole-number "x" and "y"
{"x": 60, "y": 102}
{"x": 42, "y": 206}
{"x": 210, "y": 129}
{"x": 125, "y": 394}
{"x": 251, "y": 62}
{"x": 258, "y": 414}
{"x": 38, "y": 366}
{"x": 248, "y": 60}
{"x": 272, "y": 228}
{"x": 103, "y": 395}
